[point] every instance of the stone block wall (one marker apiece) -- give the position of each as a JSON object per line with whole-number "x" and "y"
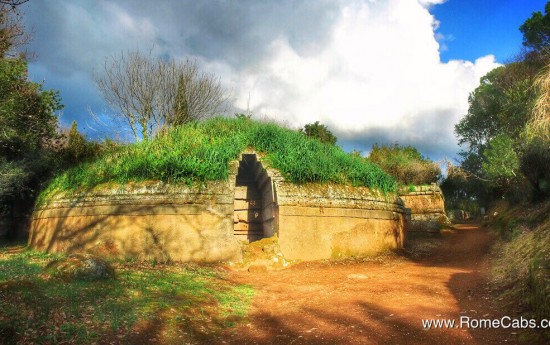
{"x": 333, "y": 221}
{"x": 148, "y": 221}
{"x": 427, "y": 207}
{"x": 163, "y": 222}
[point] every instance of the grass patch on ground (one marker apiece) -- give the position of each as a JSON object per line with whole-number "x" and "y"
{"x": 522, "y": 266}
{"x": 201, "y": 151}
{"x": 144, "y": 304}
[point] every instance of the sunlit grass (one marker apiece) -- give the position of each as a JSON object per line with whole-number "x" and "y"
{"x": 171, "y": 303}
{"x": 199, "y": 152}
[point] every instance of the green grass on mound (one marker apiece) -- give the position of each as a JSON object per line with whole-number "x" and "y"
{"x": 200, "y": 152}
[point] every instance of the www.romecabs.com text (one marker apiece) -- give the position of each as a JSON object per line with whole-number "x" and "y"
{"x": 473, "y": 323}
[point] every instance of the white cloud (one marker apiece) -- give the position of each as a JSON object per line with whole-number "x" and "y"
{"x": 380, "y": 70}
{"x": 369, "y": 69}
{"x": 431, "y": 2}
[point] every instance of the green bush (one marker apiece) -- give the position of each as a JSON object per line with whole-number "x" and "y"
{"x": 200, "y": 152}
{"x": 320, "y": 132}
{"x": 405, "y": 164}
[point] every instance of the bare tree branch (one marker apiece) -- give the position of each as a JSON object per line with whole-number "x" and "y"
{"x": 12, "y": 31}
{"x": 151, "y": 94}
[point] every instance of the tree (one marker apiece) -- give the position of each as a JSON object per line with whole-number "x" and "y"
{"x": 28, "y": 125}
{"x": 151, "y": 93}
{"x": 536, "y": 30}
{"x": 500, "y": 105}
{"x": 501, "y": 162}
{"x": 27, "y": 111}
{"x": 12, "y": 31}
{"x": 76, "y": 148}
{"x": 320, "y": 132}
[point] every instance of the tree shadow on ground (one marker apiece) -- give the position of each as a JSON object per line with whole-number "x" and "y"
{"x": 161, "y": 304}
{"x": 369, "y": 324}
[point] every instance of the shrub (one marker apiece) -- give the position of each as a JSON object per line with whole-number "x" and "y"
{"x": 405, "y": 164}
{"x": 320, "y": 132}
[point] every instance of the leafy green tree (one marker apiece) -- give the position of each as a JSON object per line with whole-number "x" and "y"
{"x": 319, "y": 131}
{"x": 495, "y": 140}
{"x": 77, "y": 148}
{"x": 499, "y": 108}
{"x": 501, "y": 162}
{"x": 27, "y": 111}
{"x": 28, "y": 126}
{"x": 501, "y": 104}
{"x": 536, "y": 30}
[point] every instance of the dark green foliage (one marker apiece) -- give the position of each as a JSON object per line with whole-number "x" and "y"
{"x": 28, "y": 127}
{"x": 405, "y": 164}
{"x": 199, "y": 152}
{"x": 320, "y": 132}
{"x": 535, "y": 165}
{"x": 493, "y": 134}
{"x": 501, "y": 161}
{"x": 536, "y": 30}
{"x": 77, "y": 148}
{"x": 501, "y": 105}
{"x": 27, "y": 112}
{"x": 28, "y": 131}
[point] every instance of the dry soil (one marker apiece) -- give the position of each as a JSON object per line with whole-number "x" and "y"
{"x": 378, "y": 301}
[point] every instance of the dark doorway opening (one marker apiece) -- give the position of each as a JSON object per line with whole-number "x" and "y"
{"x": 248, "y": 220}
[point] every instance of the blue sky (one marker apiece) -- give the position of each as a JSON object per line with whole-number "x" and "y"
{"x": 482, "y": 27}
{"x": 374, "y": 71}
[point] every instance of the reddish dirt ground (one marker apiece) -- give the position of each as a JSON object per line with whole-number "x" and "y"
{"x": 377, "y": 302}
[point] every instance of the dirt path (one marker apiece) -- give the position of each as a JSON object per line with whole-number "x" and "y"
{"x": 377, "y": 302}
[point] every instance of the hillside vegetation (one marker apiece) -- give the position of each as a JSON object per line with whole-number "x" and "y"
{"x": 201, "y": 151}
{"x": 406, "y": 164}
{"x": 522, "y": 267}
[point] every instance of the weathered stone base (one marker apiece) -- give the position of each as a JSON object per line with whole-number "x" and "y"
{"x": 427, "y": 207}
{"x": 310, "y": 233}
{"x": 156, "y": 221}
{"x": 154, "y": 224}
{"x": 330, "y": 221}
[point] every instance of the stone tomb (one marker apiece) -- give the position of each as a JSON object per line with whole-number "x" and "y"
{"x": 209, "y": 223}
{"x": 427, "y": 207}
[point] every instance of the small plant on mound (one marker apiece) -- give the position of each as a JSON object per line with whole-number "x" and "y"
{"x": 201, "y": 151}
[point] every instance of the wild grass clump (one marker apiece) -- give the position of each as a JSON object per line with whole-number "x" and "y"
{"x": 201, "y": 151}
{"x": 521, "y": 268}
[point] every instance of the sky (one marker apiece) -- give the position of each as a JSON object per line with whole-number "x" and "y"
{"x": 373, "y": 71}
